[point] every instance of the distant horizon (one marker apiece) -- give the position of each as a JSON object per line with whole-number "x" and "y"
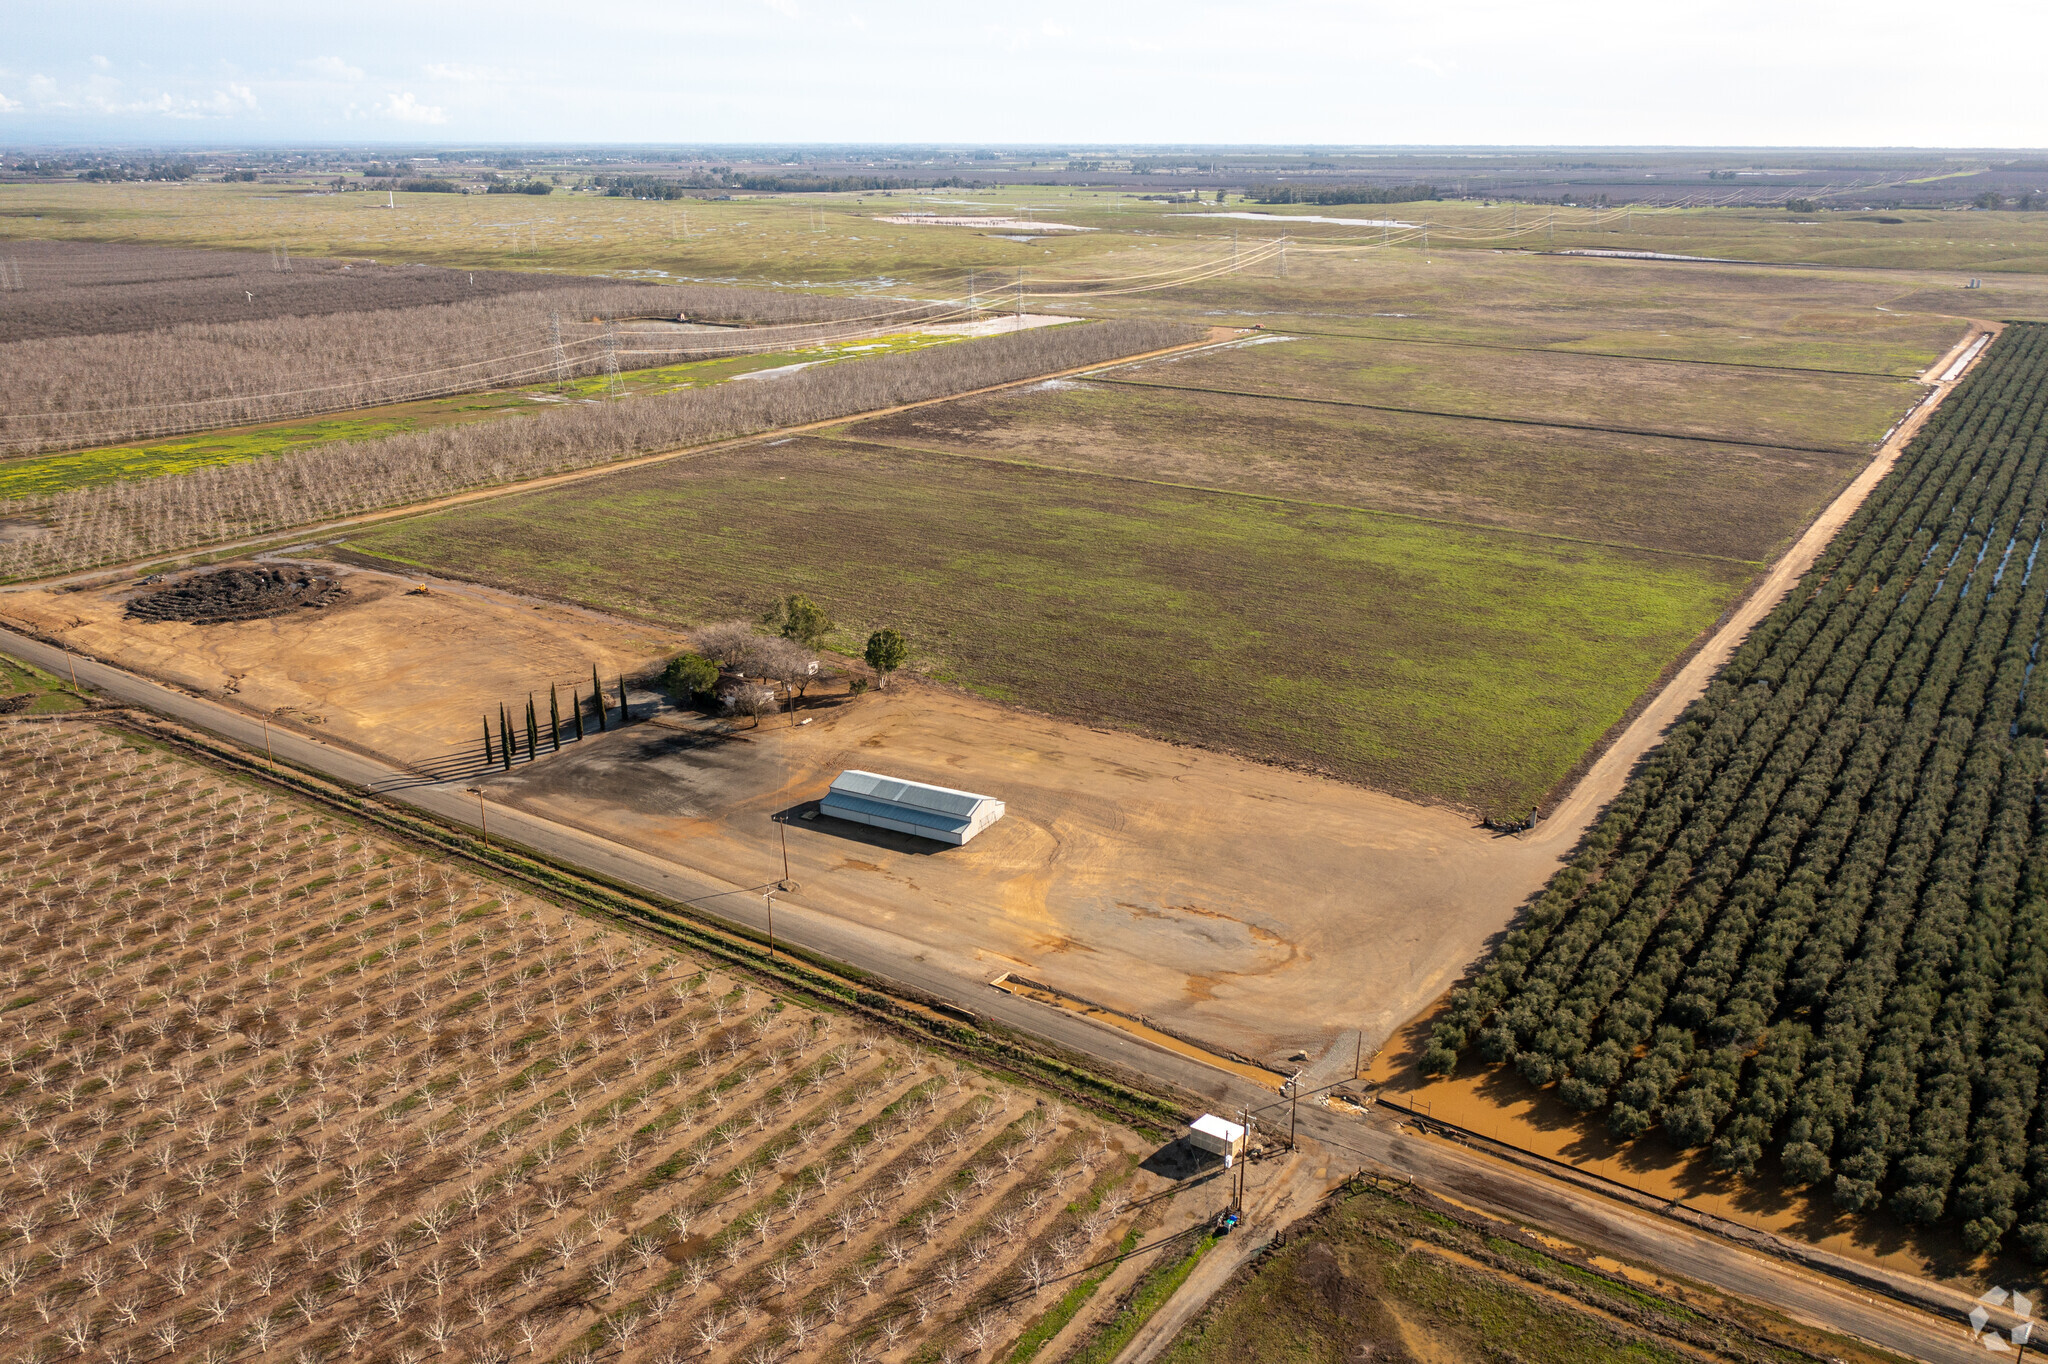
{"x": 1061, "y": 147}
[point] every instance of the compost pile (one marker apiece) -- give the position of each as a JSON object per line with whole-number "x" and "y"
{"x": 237, "y": 594}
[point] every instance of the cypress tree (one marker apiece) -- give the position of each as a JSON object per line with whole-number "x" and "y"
{"x": 532, "y": 729}
{"x": 597, "y": 699}
{"x": 554, "y": 721}
{"x": 624, "y": 715}
{"x": 488, "y": 757}
{"x": 576, "y": 706}
{"x": 504, "y": 737}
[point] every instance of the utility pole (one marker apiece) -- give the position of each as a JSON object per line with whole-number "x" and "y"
{"x": 560, "y": 357}
{"x": 770, "y": 898}
{"x": 1283, "y": 258}
{"x": 970, "y": 289}
{"x": 481, "y": 823}
{"x": 1293, "y": 1102}
{"x": 270, "y": 757}
{"x": 1020, "y": 300}
{"x": 1233, "y": 250}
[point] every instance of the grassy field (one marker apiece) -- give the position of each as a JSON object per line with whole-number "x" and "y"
{"x": 1396, "y": 1274}
{"x": 1437, "y": 661}
{"x": 837, "y": 238}
{"x": 1768, "y": 406}
{"x": 30, "y": 691}
{"x": 39, "y": 475}
{"x": 1544, "y": 574}
{"x": 1686, "y": 497}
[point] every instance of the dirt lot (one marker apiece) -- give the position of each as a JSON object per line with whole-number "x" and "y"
{"x": 1218, "y": 897}
{"x": 405, "y": 676}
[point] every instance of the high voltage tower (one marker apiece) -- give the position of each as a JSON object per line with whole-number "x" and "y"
{"x": 560, "y": 359}
{"x": 614, "y": 387}
{"x": 281, "y": 259}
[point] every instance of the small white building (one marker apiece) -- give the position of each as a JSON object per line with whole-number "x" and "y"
{"x": 910, "y": 807}
{"x": 1218, "y": 1137}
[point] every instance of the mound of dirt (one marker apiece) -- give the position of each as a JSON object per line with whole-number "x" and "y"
{"x": 228, "y": 594}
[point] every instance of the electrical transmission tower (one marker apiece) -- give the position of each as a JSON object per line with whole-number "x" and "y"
{"x": 614, "y": 387}
{"x": 561, "y": 360}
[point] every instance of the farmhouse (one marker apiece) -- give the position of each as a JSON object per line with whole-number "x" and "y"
{"x": 910, "y": 807}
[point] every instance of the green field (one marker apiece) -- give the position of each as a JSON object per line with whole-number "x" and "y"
{"x": 1383, "y": 1273}
{"x": 1440, "y": 662}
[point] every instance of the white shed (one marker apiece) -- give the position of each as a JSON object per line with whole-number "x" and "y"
{"x": 1218, "y": 1137}
{"x": 910, "y": 807}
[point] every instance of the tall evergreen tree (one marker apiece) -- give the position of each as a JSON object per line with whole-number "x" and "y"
{"x": 554, "y": 720}
{"x": 532, "y": 729}
{"x": 488, "y": 757}
{"x": 623, "y": 714}
{"x": 597, "y": 698}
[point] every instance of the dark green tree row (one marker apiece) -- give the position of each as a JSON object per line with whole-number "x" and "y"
{"x": 1813, "y": 929}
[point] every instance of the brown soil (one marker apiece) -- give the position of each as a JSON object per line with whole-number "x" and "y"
{"x": 385, "y": 669}
{"x": 237, "y": 592}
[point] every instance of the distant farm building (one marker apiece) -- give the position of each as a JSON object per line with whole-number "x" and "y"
{"x": 910, "y": 807}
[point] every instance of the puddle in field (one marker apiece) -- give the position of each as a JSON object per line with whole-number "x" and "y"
{"x": 1301, "y": 218}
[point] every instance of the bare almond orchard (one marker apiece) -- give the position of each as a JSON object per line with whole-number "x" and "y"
{"x": 276, "y": 1089}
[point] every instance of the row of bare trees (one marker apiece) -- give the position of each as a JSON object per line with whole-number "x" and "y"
{"x": 123, "y": 521}
{"x": 68, "y": 391}
{"x": 275, "y": 1089}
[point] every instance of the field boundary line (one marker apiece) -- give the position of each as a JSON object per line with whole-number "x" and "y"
{"x": 683, "y": 924}
{"x": 1477, "y": 526}
{"x": 1600, "y": 354}
{"x": 292, "y": 534}
{"x": 1477, "y": 417}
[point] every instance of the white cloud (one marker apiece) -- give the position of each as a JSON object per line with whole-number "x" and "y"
{"x": 786, "y": 8}
{"x": 406, "y": 109}
{"x": 1052, "y": 30}
{"x": 8, "y": 106}
{"x": 101, "y": 62}
{"x": 333, "y": 68}
{"x": 226, "y": 102}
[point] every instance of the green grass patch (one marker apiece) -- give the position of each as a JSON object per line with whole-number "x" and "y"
{"x": 1152, "y": 1292}
{"x": 27, "y": 690}
{"x": 1468, "y": 665}
{"x": 1055, "y": 1318}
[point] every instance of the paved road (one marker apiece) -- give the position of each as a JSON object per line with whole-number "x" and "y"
{"x": 1377, "y": 1140}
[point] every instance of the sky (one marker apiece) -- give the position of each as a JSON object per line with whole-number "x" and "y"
{"x": 1110, "y": 72}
